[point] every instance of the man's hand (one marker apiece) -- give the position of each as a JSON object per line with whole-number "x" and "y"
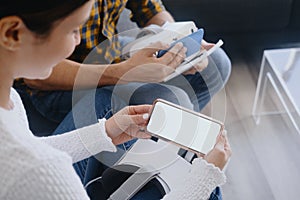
{"x": 144, "y": 66}
{"x": 203, "y": 64}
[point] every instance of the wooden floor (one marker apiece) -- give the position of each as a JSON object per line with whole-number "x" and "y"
{"x": 266, "y": 158}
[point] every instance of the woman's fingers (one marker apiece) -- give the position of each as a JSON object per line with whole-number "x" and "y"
{"x": 227, "y": 146}
{"x": 130, "y": 116}
{"x": 137, "y": 120}
{"x": 134, "y": 131}
{"x": 141, "y": 109}
{"x": 221, "y": 152}
{"x": 220, "y": 143}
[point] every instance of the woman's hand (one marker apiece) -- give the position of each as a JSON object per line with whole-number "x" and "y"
{"x": 128, "y": 123}
{"x": 144, "y": 66}
{"x": 221, "y": 152}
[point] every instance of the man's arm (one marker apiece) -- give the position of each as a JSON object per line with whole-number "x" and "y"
{"x": 141, "y": 67}
{"x": 147, "y": 12}
{"x": 65, "y": 74}
{"x": 160, "y": 18}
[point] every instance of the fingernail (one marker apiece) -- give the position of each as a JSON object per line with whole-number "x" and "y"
{"x": 145, "y": 116}
{"x": 180, "y": 43}
{"x": 166, "y": 46}
{"x": 224, "y": 132}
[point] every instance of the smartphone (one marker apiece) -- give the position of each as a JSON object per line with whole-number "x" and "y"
{"x": 192, "y": 42}
{"x": 186, "y": 128}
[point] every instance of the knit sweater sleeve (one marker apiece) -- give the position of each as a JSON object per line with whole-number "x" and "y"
{"x": 82, "y": 143}
{"x": 49, "y": 180}
{"x": 202, "y": 179}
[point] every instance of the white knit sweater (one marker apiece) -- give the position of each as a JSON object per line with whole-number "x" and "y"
{"x": 41, "y": 168}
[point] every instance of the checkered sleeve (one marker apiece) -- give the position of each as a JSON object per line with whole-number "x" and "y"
{"x": 90, "y": 29}
{"x": 144, "y": 10}
{"x": 90, "y": 34}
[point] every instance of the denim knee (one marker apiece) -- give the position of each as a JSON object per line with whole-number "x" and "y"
{"x": 151, "y": 91}
{"x": 223, "y": 64}
{"x": 217, "y": 73}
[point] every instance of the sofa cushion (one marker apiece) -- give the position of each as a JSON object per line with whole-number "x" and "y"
{"x": 295, "y": 15}
{"x": 233, "y": 15}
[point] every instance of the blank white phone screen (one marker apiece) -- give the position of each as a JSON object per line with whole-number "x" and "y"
{"x": 184, "y": 128}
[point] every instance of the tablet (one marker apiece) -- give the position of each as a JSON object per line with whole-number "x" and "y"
{"x": 190, "y": 61}
{"x": 192, "y": 42}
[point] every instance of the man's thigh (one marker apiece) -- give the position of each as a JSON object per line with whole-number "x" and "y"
{"x": 94, "y": 105}
{"x": 56, "y": 105}
{"x": 145, "y": 93}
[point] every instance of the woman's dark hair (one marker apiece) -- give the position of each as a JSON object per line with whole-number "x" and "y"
{"x": 40, "y": 20}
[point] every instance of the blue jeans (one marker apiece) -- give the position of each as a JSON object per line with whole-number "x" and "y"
{"x": 199, "y": 87}
{"x": 55, "y": 105}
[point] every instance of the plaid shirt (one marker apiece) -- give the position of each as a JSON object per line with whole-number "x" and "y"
{"x": 101, "y": 26}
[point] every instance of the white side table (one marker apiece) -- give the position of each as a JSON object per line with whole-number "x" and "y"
{"x": 281, "y": 69}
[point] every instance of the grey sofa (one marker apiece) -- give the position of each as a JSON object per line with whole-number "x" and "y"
{"x": 237, "y": 16}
